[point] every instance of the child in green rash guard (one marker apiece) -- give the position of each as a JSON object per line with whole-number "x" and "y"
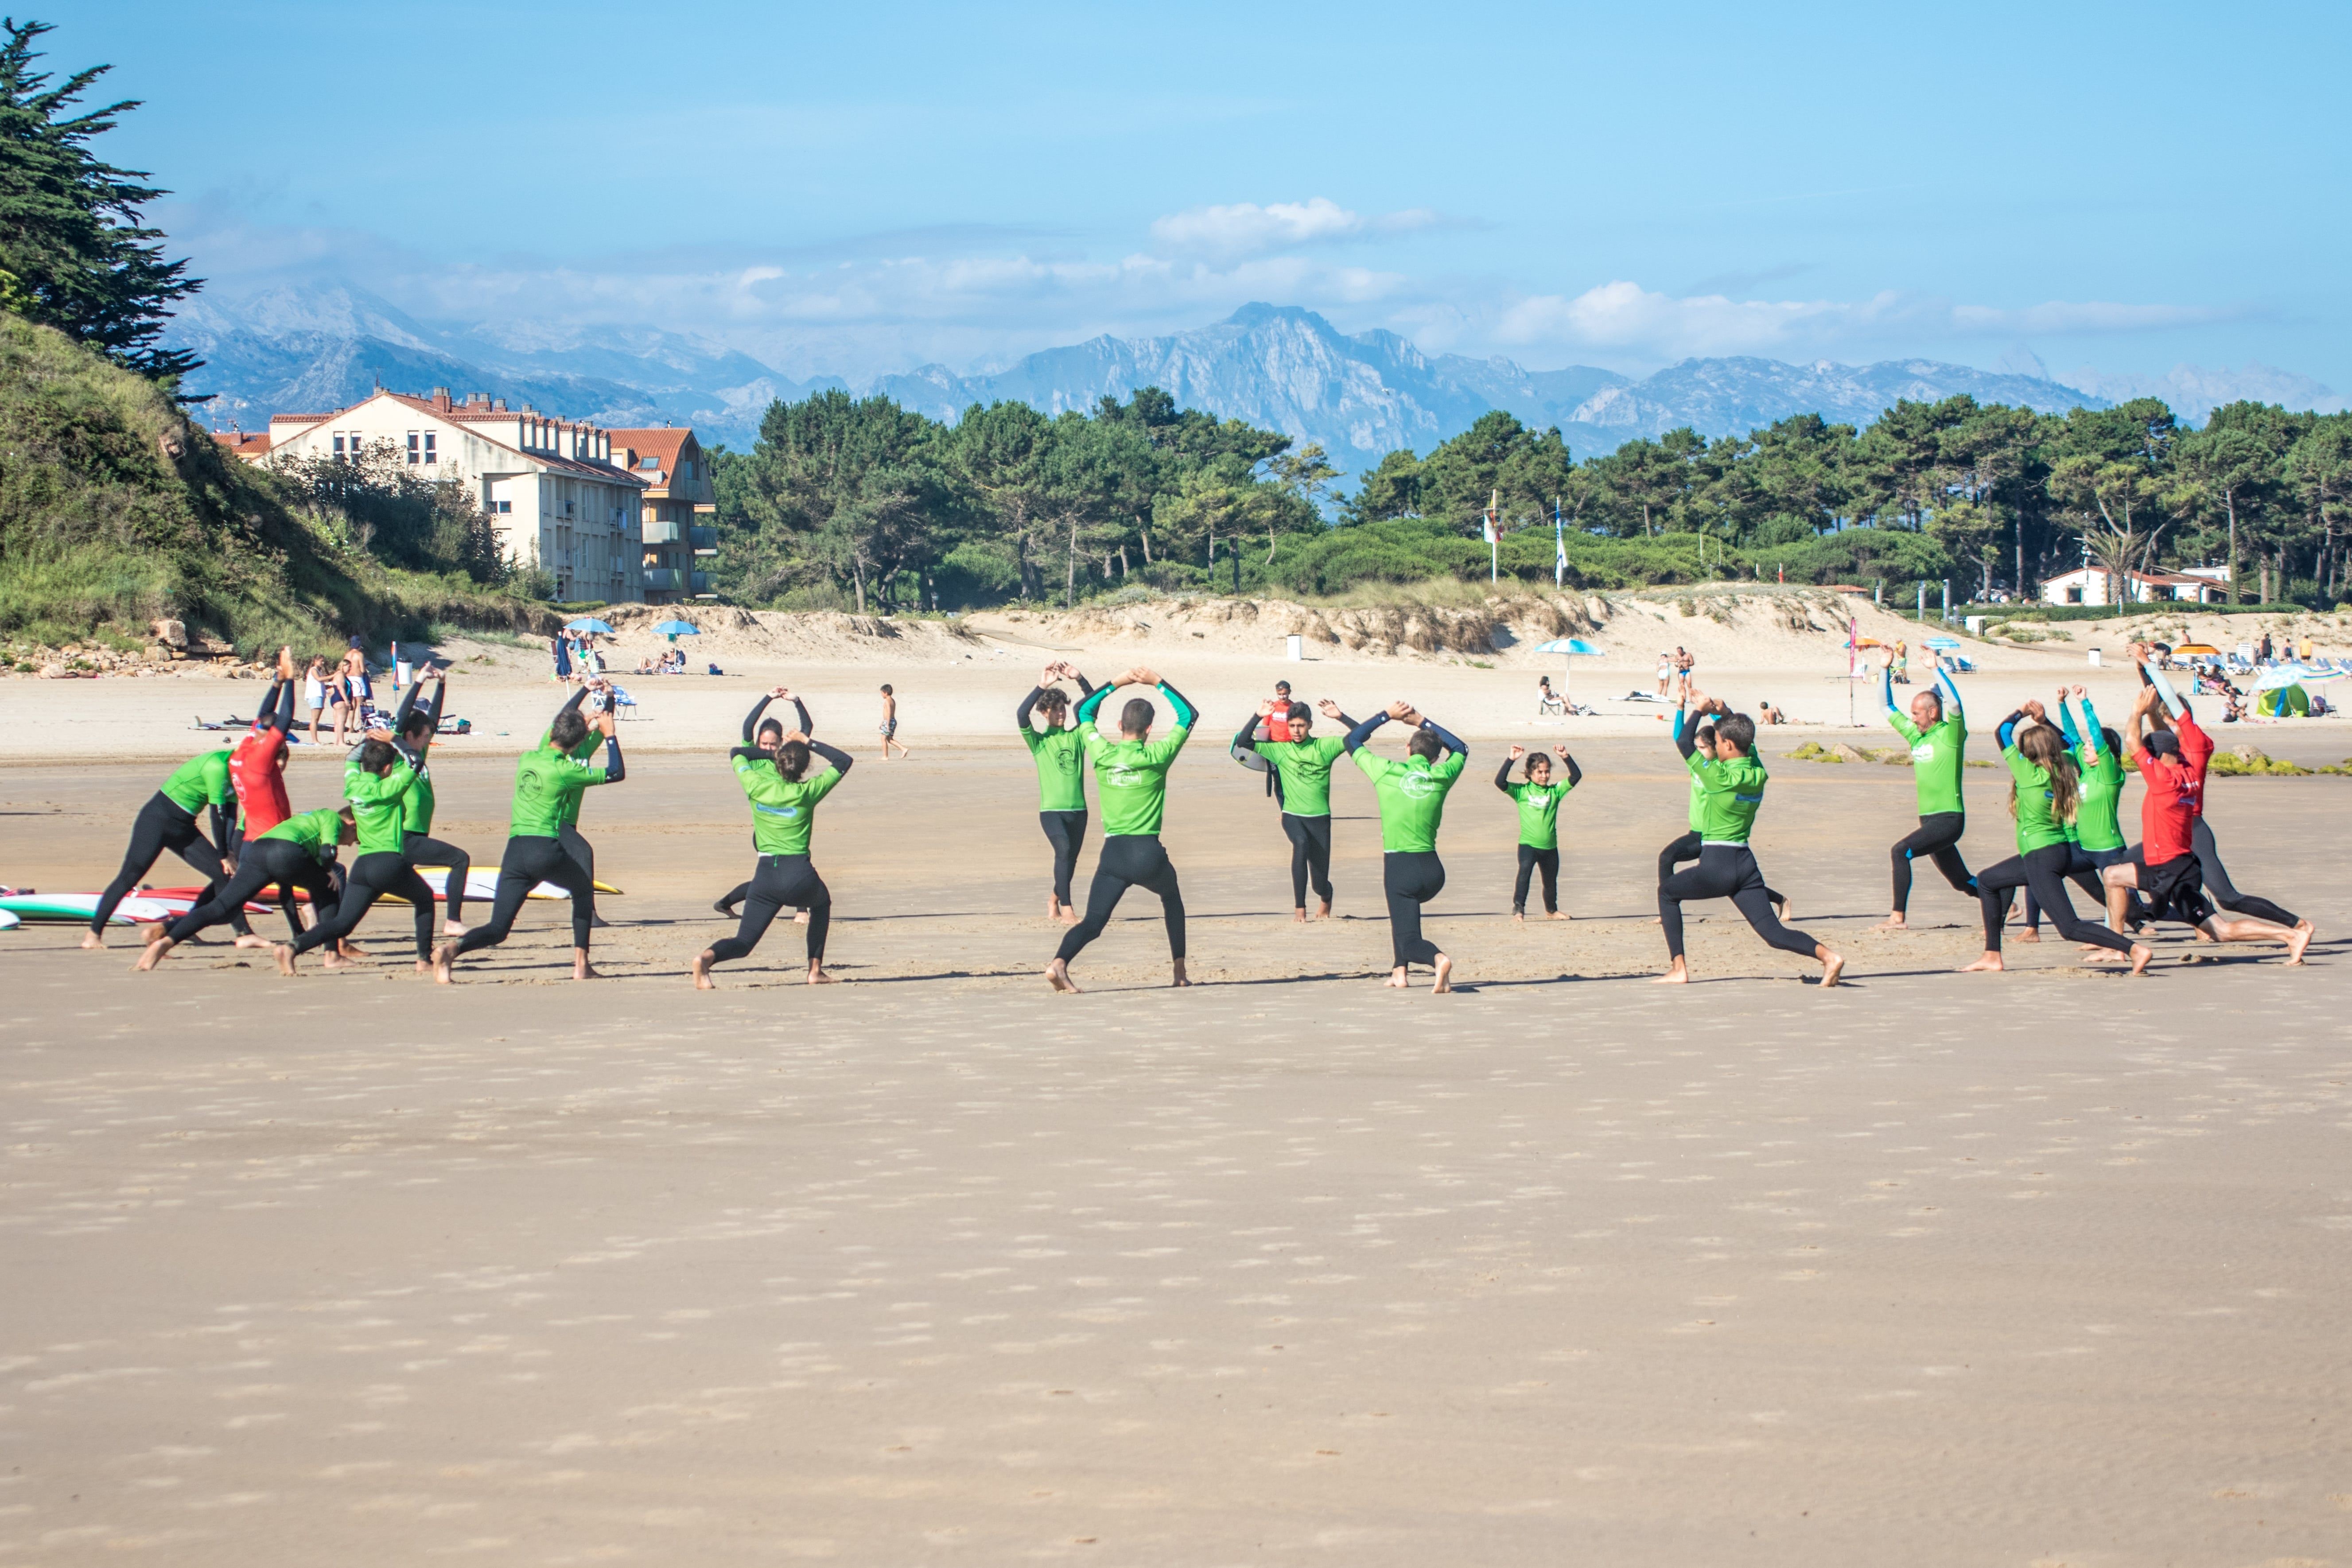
{"x": 1731, "y": 791}
{"x": 1937, "y": 731}
{"x": 1411, "y": 795}
{"x": 1131, "y": 782}
{"x": 549, "y": 781}
{"x": 783, "y": 795}
{"x": 2096, "y": 833}
{"x": 299, "y": 852}
{"x": 2044, "y": 797}
{"x": 1060, "y": 757}
{"x": 377, "y": 785}
{"x": 1538, "y": 802}
{"x": 1302, "y": 776}
{"x": 168, "y": 821}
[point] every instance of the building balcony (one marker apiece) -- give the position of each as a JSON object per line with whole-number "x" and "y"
{"x": 701, "y": 580}
{"x": 667, "y": 580}
{"x": 704, "y": 539}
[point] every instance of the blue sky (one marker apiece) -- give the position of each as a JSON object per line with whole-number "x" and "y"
{"x": 862, "y": 188}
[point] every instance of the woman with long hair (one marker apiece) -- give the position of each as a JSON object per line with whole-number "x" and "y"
{"x": 2045, "y": 795}
{"x": 774, "y": 773}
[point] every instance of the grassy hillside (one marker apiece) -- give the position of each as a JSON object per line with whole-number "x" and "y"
{"x": 115, "y": 510}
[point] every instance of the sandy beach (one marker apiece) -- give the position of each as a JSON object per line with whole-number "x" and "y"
{"x": 934, "y": 1266}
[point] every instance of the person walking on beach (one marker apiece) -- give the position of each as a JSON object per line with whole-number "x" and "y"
{"x": 1411, "y": 795}
{"x": 1731, "y": 787}
{"x": 549, "y": 782}
{"x": 1131, "y": 782}
{"x": 1665, "y": 670}
{"x": 1538, "y": 800}
{"x": 775, "y": 778}
{"x": 1302, "y": 769}
{"x": 559, "y": 649}
{"x": 1057, "y": 750}
{"x": 889, "y": 725}
{"x": 1938, "y": 729}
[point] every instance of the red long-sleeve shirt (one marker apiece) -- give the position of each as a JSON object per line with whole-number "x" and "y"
{"x": 2176, "y": 793}
{"x": 255, "y": 769}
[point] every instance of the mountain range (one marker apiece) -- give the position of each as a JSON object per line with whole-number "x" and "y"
{"x": 295, "y": 348}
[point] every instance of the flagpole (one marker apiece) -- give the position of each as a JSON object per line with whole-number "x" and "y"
{"x": 1559, "y": 548}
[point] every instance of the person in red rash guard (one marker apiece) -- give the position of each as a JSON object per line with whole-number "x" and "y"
{"x": 256, "y": 771}
{"x": 2171, "y": 752}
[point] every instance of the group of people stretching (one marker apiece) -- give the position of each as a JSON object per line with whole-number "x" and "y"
{"x": 2065, "y": 787}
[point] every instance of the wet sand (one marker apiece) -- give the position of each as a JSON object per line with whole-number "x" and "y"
{"x": 934, "y": 1266}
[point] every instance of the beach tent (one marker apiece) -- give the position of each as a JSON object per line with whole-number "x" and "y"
{"x": 2279, "y": 691}
{"x": 1569, "y": 649}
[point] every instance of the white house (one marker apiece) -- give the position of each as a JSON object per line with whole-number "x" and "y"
{"x": 2088, "y": 585}
{"x": 560, "y": 498}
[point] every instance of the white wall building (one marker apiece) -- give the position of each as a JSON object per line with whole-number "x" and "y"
{"x": 554, "y": 488}
{"x": 2088, "y": 585}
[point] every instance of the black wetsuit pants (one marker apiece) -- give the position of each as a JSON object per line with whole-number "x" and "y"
{"x": 778, "y": 882}
{"x": 370, "y": 878}
{"x": 418, "y": 849}
{"x": 164, "y": 823}
{"x": 2045, "y": 871}
{"x": 1410, "y": 878}
{"x": 528, "y": 861}
{"x": 1066, "y": 832}
{"x": 2225, "y": 892}
{"x": 2083, "y": 869}
{"x": 1687, "y": 847}
{"x": 579, "y": 848}
{"x": 1310, "y": 857}
{"x": 1938, "y": 839}
{"x": 1727, "y": 871}
{"x": 1129, "y": 860}
{"x": 1532, "y": 860}
{"x": 265, "y": 860}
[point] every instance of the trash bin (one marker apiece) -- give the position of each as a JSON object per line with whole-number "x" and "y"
{"x": 1297, "y": 645}
{"x": 2095, "y": 656}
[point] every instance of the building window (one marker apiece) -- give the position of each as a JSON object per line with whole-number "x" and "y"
{"x": 505, "y": 506}
{"x": 430, "y": 455}
{"x": 412, "y": 446}
{"x": 338, "y": 446}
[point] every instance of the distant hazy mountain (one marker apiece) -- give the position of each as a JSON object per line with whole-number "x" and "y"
{"x": 1362, "y": 394}
{"x": 2192, "y": 392}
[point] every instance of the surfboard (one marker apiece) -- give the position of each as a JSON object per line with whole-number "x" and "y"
{"x": 7, "y": 921}
{"x": 139, "y": 909}
{"x": 482, "y": 886}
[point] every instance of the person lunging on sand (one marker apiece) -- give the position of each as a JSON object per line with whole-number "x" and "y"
{"x": 1539, "y": 799}
{"x": 413, "y": 728}
{"x": 168, "y": 821}
{"x": 2096, "y": 837}
{"x": 2171, "y": 753}
{"x": 256, "y": 771}
{"x": 1131, "y": 782}
{"x": 1302, "y": 770}
{"x": 2045, "y": 796}
{"x": 549, "y": 782}
{"x": 1056, "y": 749}
{"x": 889, "y": 725}
{"x": 1688, "y": 846}
{"x": 783, "y": 796}
{"x": 1937, "y": 731}
{"x": 766, "y": 734}
{"x": 298, "y": 853}
{"x": 1411, "y": 795}
{"x": 1731, "y": 791}
{"x": 377, "y": 787}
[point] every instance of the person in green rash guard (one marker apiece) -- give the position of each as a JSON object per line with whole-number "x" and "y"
{"x": 299, "y": 852}
{"x": 1689, "y": 845}
{"x": 1411, "y": 795}
{"x": 1302, "y": 781}
{"x": 168, "y": 821}
{"x": 1060, "y": 756}
{"x": 2044, "y": 797}
{"x": 415, "y": 728}
{"x": 377, "y": 787}
{"x": 1731, "y": 785}
{"x": 775, "y": 779}
{"x": 1539, "y": 801}
{"x": 1937, "y": 731}
{"x": 569, "y": 835}
{"x": 2095, "y": 832}
{"x": 548, "y": 783}
{"x": 1131, "y": 782}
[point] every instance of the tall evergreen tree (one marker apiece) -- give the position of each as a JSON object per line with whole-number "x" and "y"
{"x": 73, "y": 252}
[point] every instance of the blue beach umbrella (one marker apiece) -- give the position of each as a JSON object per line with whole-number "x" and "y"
{"x": 1942, "y": 645}
{"x": 680, "y": 629}
{"x": 1569, "y": 649}
{"x": 588, "y": 624}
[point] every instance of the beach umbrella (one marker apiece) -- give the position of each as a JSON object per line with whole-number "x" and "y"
{"x": 2278, "y": 676}
{"x": 1942, "y": 645}
{"x": 679, "y": 628}
{"x": 588, "y": 624}
{"x": 2197, "y": 650}
{"x": 1567, "y": 649}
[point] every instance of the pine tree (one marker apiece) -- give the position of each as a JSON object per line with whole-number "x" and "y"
{"x": 73, "y": 252}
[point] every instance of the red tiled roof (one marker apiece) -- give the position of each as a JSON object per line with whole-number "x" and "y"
{"x": 244, "y": 443}
{"x": 460, "y": 413}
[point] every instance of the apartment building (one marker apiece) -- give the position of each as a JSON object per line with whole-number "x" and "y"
{"x": 560, "y": 498}
{"x": 677, "y": 511}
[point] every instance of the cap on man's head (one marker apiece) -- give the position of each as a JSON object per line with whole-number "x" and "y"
{"x": 2164, "y": 743}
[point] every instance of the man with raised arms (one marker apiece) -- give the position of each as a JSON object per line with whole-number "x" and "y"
{"x": 1131, "y": 782}
{"x": 1937, "y": 731}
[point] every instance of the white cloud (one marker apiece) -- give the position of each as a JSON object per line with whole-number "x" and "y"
{"x": 1246, "y": 228}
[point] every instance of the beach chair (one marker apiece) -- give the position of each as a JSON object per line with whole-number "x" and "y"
{"x": 1963, "y": 664}
{"x": 622, "y": 703}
